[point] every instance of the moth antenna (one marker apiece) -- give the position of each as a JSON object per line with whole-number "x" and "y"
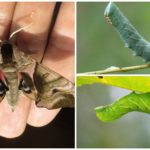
{"x": 15, "y": 32}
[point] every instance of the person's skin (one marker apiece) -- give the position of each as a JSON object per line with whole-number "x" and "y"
{"x": 59, "y": 55}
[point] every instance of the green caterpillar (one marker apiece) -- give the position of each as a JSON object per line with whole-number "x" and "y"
{"x": 127, "y": 32}
{"x": 129, "y": 103}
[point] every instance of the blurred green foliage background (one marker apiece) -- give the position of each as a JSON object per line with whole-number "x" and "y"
{"x": 99, "y": 45}
{"x": 130, "y": 131}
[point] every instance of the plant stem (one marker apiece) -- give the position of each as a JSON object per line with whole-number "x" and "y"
{"x": 116, "y": 69}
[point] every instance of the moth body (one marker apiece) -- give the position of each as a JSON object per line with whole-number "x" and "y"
{"x": 46, "y": 87}
{"x": 10, "y": 73}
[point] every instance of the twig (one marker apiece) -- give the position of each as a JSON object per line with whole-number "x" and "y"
{"x": 116, "y": 69}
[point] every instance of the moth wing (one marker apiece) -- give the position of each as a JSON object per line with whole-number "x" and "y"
{"x": 127, "y": 32}
{"x": 53, "y": 90}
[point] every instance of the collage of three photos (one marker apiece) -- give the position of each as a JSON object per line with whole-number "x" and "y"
{"x": 55, "y": 94}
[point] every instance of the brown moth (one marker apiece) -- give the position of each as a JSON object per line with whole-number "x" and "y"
{"x": 48, "y": 88}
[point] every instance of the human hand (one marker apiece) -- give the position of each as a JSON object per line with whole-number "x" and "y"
{"x": 59, "y": 55}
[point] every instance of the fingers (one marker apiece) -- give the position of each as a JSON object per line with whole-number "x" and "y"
{"x": 6, "y": 14}
{"x": 60, "y": 51}
{"x": 12, "y": 124}
{"x": 33, "y": 39}
{"x": 63, "y": 33}
{"x": 6, "y": 125}
{"x": 41, "y": 116}
{"x": 59, "y": 57}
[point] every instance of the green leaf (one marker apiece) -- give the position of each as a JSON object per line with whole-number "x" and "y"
{"x": 127, "y": 32}
{"x": 134, "y": 83}
{"x": 129, "y": 103}
{"x": 84, "y": 80}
